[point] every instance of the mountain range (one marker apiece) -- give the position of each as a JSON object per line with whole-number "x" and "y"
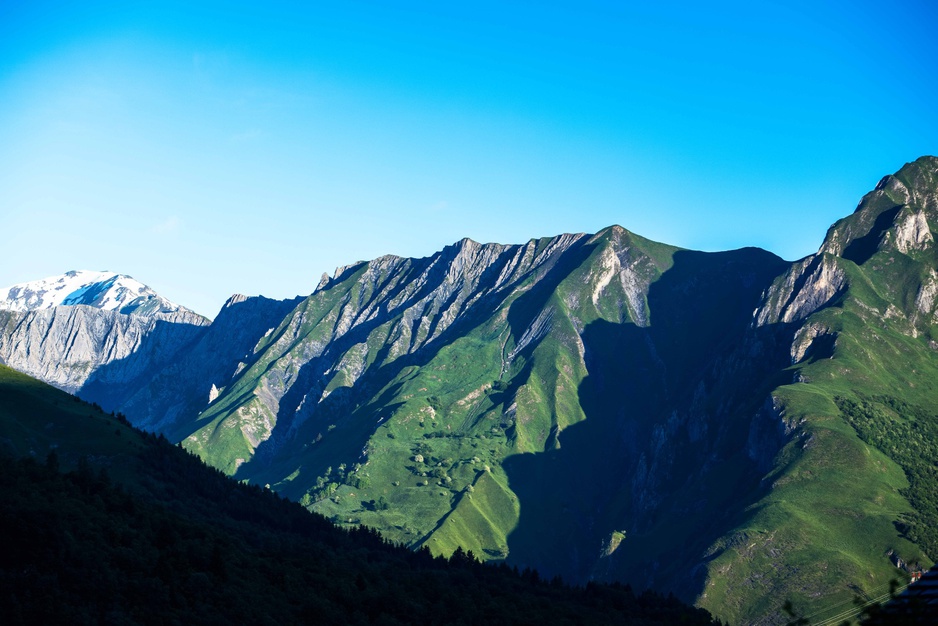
{"x": 731, "y": 427}
{"x": 103, "y": 523}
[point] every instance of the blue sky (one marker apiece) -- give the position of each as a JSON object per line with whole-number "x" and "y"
{"x": 214, "y": 148}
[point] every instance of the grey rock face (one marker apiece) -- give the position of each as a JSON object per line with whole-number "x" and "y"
{"x": 197, "y": 376}
{"x": 95, "y": 353}
{"x": 154, "y": 367}
{"x": 96, "y": 334}
{"x": 899, "y": 214}
{"x": 809, "y": 285}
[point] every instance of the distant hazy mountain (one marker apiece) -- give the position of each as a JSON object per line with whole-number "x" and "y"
{"x": 732, "y": 427}
{"x": 103, "y": 290}
{"x": 87, "y": 330}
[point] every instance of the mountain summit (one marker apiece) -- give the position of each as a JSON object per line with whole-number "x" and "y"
{"x": 103, "y": 290}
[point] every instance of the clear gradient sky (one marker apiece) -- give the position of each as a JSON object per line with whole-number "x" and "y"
{"x": 212, "y": 148}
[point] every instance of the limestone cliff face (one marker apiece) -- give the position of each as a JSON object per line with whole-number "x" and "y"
{"x": 900, "y": 214}
{"x": 809, "y": 285}
{"x": 96, "y": 353}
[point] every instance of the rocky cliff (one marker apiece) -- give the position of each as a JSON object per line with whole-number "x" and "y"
{"x": 169, "y": 400}
{"x": 99, "y": 354}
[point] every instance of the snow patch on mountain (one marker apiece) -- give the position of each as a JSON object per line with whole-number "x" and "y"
{"x": 103, "y": 290}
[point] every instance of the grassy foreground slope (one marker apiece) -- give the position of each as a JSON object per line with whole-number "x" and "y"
{"x": 104, "y": 524}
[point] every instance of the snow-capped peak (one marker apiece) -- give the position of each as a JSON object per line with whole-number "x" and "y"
{"x": 104, "y": 290}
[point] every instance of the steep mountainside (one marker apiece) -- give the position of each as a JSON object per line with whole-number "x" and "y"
{"x": 854, "y": 485}
{"x": 562, "y": 380}
{"x": 196, "y": 377}
{"x": 729, "y": 426}
{"x": 607, "y": 407}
